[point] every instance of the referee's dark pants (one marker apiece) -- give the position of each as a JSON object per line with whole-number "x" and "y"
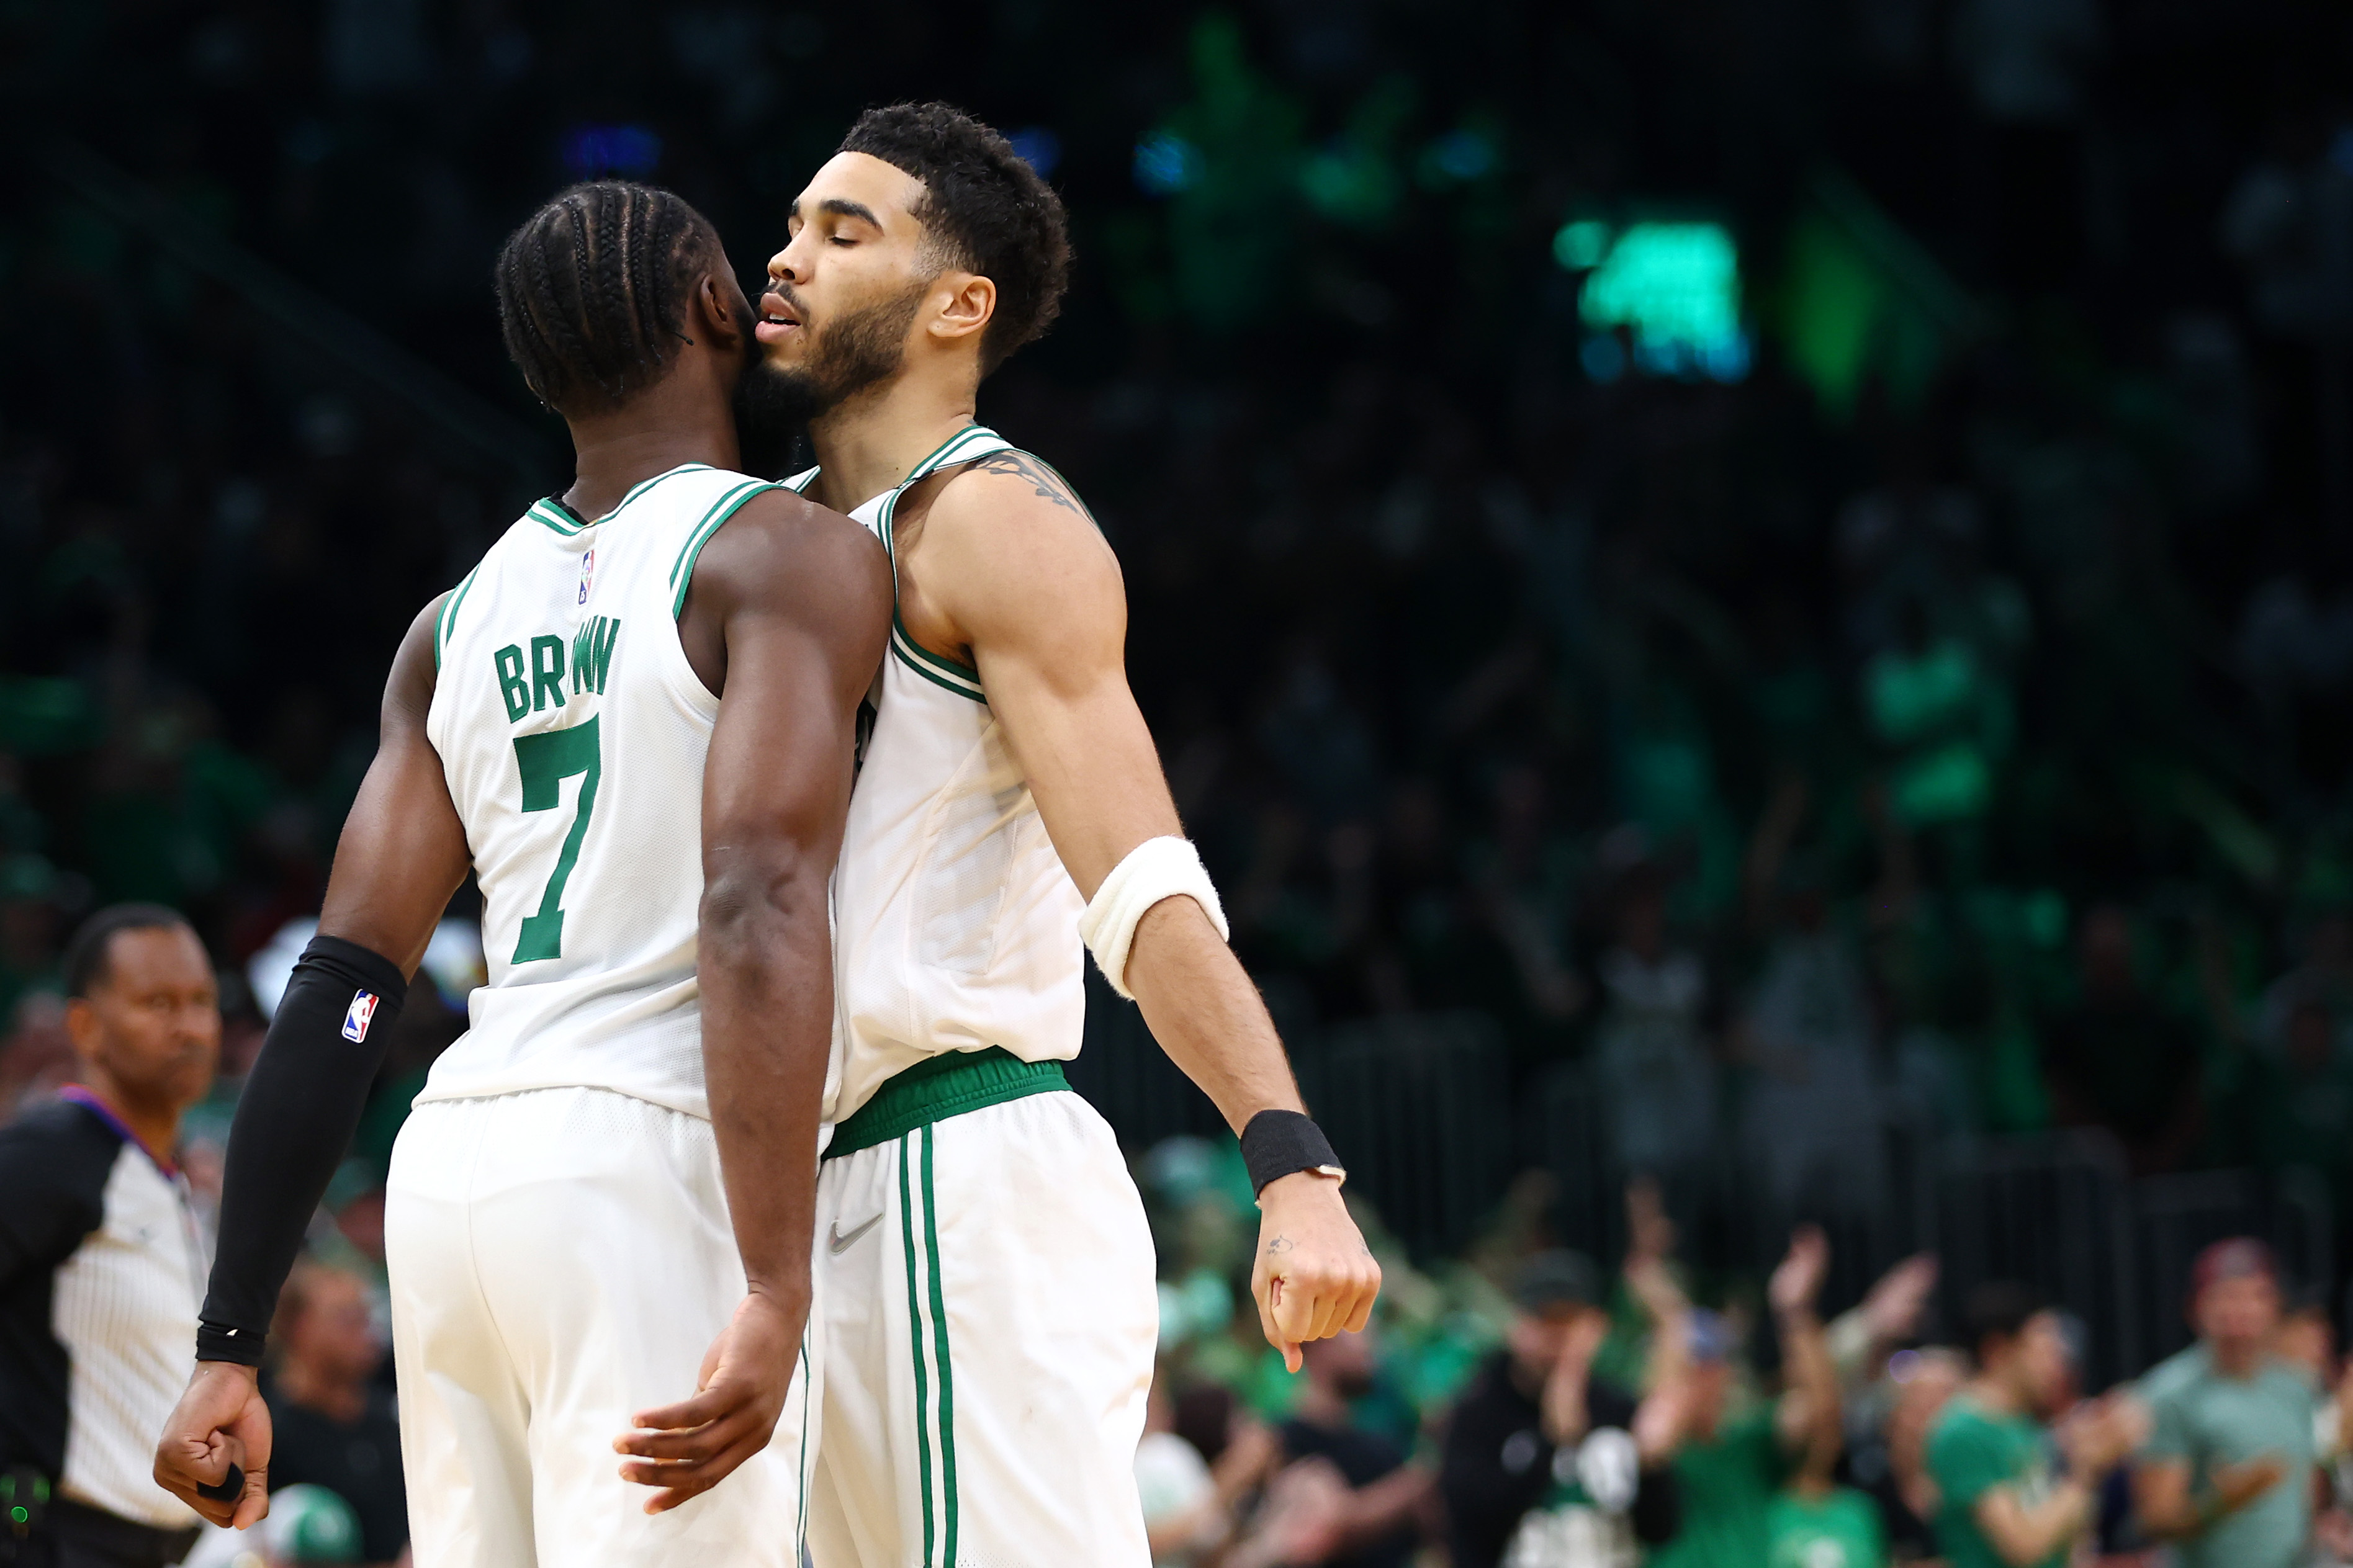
{"x": 67, "y": 1535}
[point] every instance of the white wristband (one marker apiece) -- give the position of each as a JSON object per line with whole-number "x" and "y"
{"x": 1154, "y": 869}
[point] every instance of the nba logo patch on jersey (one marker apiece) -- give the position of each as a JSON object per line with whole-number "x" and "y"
{"x": 587, "y": 573}
{"x": 356, "y": 1022}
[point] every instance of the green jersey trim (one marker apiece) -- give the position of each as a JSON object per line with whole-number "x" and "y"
{"x": 681, "y": 571}
{"x": 938, "y": 669}
{"x": 945, "y": 455}
{"x": 548, "y": 514}
{"x": 448, "y": 619}
{"x": 962, "y": 679}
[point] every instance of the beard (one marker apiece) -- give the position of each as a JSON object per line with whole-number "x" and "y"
{"x": 863, "y": 348}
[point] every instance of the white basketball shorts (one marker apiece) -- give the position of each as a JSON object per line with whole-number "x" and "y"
{"x": 990, "y": 1322}
{"x": 560, "y": 1260}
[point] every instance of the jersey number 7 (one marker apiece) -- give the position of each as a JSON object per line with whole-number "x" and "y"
{"x": 547, "y": 760}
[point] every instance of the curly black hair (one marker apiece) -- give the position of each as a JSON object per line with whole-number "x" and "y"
{"x": 592, "y": 290}
{"x": 985, "y": 207}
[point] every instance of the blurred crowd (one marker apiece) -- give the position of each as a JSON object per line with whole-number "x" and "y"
{"x": 1530, "y": 1412}
{"x": 1517, "y": 1406}
{"x": 1961, "y": 746}
{"x": 1941, "y": 728}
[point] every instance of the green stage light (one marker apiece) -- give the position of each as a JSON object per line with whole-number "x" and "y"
{"x": 1580, "y": 247}
{"x": 1673, "y": 287}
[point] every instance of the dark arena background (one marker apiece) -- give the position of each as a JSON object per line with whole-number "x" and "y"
{"x": 1751, "y": 603}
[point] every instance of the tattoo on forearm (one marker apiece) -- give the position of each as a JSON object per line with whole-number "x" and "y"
{"x": 1020, "y": 466}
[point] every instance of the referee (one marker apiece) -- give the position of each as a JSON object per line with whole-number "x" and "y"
{"x": 101, "y": 1263}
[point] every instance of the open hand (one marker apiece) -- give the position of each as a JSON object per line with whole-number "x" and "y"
{"x": 1314, "y": 1276}
{"x": 1894, "y": 1305}
{"x": 220, "y": 1422}
{"x": 1798, "y": 1280}
{"x": 685, "y": 1449}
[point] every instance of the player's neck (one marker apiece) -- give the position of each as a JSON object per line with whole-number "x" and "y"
{"x": 870, "y": 443}
{"x": 678, "y": 420}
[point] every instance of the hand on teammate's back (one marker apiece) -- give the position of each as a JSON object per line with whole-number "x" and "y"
{"x": 1314, "y": 1276}
{"x": 221, "y": 1421}
{"x": 685, "y": 1449}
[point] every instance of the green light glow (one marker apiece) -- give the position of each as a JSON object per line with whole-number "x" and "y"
{"x": 1579, "y": 247}
{"x": 1675, "y": 287}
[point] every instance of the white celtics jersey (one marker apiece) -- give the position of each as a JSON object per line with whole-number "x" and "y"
{"x": 573, "y": 734}
{"x": 955, "y": 927}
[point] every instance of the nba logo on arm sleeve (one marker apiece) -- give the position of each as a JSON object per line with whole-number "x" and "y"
{"x": 355, "y": 1021}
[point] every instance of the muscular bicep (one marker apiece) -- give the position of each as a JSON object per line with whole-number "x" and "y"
{"x": 778, "y": 773}
{"x": 1037, "y": 595}
{"x": 803, "y": 604}
{"x": 402, "y": 852}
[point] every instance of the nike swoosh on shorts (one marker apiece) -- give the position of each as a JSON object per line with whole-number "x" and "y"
{"x": 838, "y": 1242}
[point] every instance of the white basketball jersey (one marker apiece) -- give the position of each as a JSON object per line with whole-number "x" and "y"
{"x": 955, "y": 927}
{"x": 573, "y": 734}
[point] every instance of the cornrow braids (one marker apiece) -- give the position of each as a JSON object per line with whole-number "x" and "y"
{"x": 592, "y": 291}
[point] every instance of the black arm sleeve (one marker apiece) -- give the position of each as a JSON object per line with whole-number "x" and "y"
{"x": 301, "y": 1105}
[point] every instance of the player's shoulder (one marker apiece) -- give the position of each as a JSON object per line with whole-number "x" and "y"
{"x": 1007, "y": 518}
{"x": 1007, "y": 488}
{"x": 783, "y": 520}
{"x": 779, "y": 539}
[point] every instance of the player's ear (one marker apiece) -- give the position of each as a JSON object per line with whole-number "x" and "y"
{"x": 971, "y": 300}
{"x": 718, "y": 313}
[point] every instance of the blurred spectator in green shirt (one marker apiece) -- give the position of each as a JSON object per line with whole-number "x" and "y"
{"x": 1733, "y": 1462}
{"x": 2002, "y": 1503}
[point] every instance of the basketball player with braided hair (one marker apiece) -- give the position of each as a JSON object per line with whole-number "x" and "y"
{"x": 989, "y": 1274}
{"x": 634, "y": 723}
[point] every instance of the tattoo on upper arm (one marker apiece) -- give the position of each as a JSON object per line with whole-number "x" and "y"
{"x": 1048, "y": 484}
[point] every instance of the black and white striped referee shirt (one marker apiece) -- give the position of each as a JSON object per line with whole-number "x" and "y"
{"x": 101, "y": 1273}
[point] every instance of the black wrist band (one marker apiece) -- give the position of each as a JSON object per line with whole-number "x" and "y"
{"x": 1279, "y": 1144}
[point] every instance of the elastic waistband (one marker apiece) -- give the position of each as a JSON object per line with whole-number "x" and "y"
{"x": 937, "y": 1088}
